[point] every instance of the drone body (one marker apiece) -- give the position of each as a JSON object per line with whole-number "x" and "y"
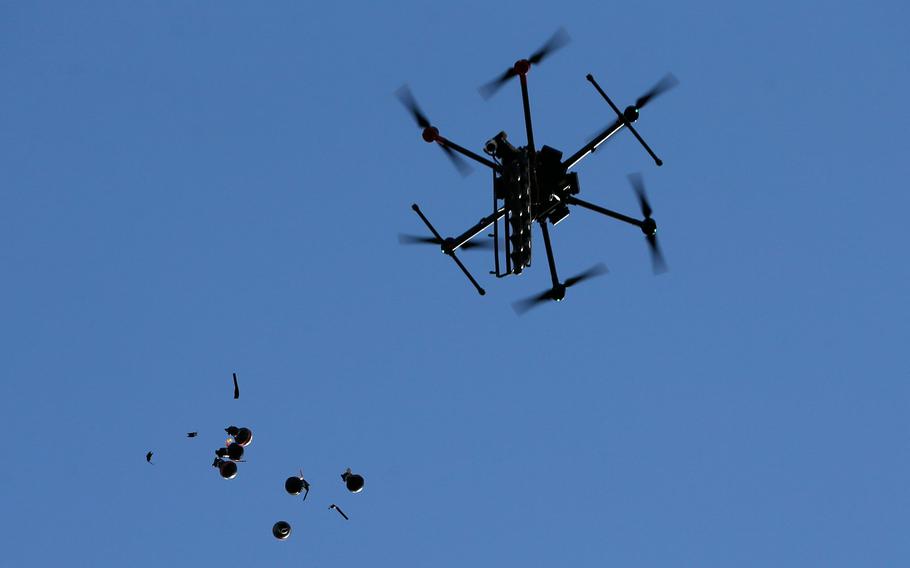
{"x": 534, "y": 186}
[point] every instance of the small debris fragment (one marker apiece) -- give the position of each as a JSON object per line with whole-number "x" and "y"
{"x": 340, "y": 512}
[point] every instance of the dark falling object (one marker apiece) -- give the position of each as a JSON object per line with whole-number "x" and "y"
{"x": 533, "y": 185}
{"x": 352, "y": 481}
{"x": 227, "y": 469}
{"x": 340, "y": 512}
{"x": 236, "y": 387}
{"x": 243, "y": 436}
{"x": 281, "y": 530}
{"x": 148, "y": 457}
{"x": 295, "y": 484}
{"x": 234, "y": 452}
{"x": 192, "y": 434}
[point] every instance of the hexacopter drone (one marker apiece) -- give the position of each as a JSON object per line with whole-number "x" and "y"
{"x": 531, "y": 185}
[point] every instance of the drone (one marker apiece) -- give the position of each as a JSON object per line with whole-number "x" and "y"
{"x": 532, "y": 185}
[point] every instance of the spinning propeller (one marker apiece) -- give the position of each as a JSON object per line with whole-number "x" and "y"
{"x": 407, "y": 239}
{"x": 556, "y": 41}
{"x": 668, "y": 82}
{"x": 430, "y": 132}
{"x": 559, "y": 292}
{"x": 648, "y": 225}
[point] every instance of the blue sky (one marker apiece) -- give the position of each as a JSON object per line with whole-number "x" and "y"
{"x": 192, "y": 190}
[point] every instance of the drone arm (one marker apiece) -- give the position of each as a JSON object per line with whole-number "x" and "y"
{"x": 532, "y": 152}
{"x": 527, "y": 109}
{"x": 465, "y": 152}
{"x": 573, "y": 160}
{"x": 619, "y": 113}
{"x": 619, "y": 216}
{"x": 449, "y": 252}
{"x": 550, "y": 260}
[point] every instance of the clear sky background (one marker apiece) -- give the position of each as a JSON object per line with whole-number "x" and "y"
{"x": 191, "y": 189}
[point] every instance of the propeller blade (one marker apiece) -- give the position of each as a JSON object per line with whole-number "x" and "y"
{"x": 668, "y": 82}
{"x": 417, "y": 240}
{"x": 556, "y": 41}
{"x": 658, "y": 264}
{"x": 489, "y": 89}
{"x": 406, "y": 239}
{"x": 639, "y": 186}
{"x": 596, "y": 270}
{"x": 559, "y": 39}
{"x": 407, "y": 99}
{"x": 522, "y": 306}
{"x": 460, "y": 163}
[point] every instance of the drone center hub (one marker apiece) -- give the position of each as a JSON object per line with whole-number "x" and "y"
{"x": 630, "y": 114}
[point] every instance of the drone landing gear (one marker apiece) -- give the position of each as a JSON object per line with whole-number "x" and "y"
{"x": 448, "y": 249}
